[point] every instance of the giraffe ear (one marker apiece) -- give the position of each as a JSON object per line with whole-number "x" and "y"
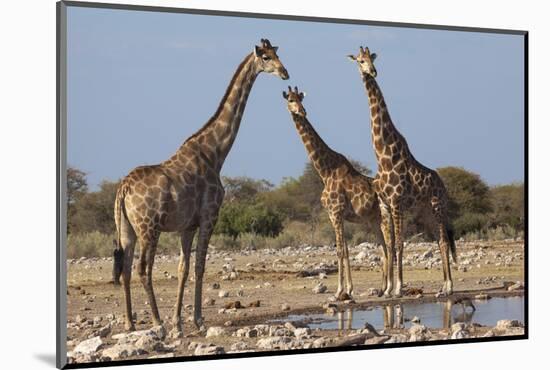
{"x": 373, "y": 56}
{"x": 285, "y": 95}
{"x": 275, "y": 48}
{"x": 257, "y": 50}
{"x": 302, "y": 95}
{"x": 352, "y": 58}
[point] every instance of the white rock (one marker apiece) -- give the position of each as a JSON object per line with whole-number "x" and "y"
{"x": 215, "y": 331}
{"x": 89, "y": 346}
{"x": 460, "y": 334}
{"x": 262, "y": 329}
{"x": 398, "y": 338}
{"x": 319, "y": 288}
{"x": 208, "y": 349}
{"x": 516, "y": 286}
{"x": 507, "y": 324}
{"x": 427, "y": 255}
{"x": 276, "y": 342}
{"x": 418, "y": 333}
{"x": 239, "y": 346}
{"x": 223, "y": 294}
{"x": 322, "y": 342}
{"x": 120, "y": 351}
{"x": 302, "y": 332}
{"x": 361, "y": 256}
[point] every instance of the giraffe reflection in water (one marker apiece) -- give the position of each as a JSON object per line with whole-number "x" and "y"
{"x": 393, "y": 315}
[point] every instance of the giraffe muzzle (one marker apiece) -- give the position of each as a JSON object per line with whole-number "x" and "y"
{"x": 283, "y": 74}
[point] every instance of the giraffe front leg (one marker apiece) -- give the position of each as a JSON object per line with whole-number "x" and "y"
{"x": 347, "y": 269}
{"x": 386, "y": 228}
{"x": 444, "y": 249}
{"x": 340, "y": 288}
{"x": 398, "y": 229}
{"x": 183, "y": 273}
{"x": 440, "y": 213}
{"x": 343, "y": 257}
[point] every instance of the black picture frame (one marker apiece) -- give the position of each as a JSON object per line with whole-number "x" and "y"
{"x": 61, "y": 158}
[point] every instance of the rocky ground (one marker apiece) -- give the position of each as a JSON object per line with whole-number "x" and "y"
{"x": 246, "y": 291}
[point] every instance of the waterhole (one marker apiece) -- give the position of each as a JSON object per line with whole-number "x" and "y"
{"x": 433, "y": 314}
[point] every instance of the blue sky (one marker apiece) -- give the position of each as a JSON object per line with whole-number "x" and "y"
{"x": 140, "y": 83}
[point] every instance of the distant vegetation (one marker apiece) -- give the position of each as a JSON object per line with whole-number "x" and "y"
{"x": 257, "y": 214}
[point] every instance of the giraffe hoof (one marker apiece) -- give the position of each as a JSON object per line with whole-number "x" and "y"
{"x": 397, "y": 295}
{"x": 199, "y": 324}
{"x": 175, "y": 333}
{"x": 343, "y": 296}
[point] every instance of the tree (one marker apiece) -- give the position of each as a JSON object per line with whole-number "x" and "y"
{"x": 508, "y": 206}
{"x": 94, "y": 210}
{"x": 469, "y": 199}
{"x": 77, "y": 186}
{"x": 244, "y": 188}
{"x": 359, "y": 166}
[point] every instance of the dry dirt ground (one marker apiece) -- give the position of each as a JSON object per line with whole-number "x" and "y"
{"x": 283, "y": 282}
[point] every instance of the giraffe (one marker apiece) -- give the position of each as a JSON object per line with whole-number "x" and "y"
{"x": 347, "y": 195}
{"x": 184, "y": 193}
{"x": 401, "y": 182}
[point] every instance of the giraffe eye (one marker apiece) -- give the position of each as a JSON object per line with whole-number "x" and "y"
{"x": 266, "y": 58}
{"x": 291, "y": 101}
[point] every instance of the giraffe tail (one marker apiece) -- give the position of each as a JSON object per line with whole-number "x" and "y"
{"x": 451, "y": 237}
{"x": 118, "y": 252}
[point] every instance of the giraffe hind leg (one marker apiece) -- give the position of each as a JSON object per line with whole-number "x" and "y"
{"x": 127, "y": 245}
{"x": 148, "y": 246}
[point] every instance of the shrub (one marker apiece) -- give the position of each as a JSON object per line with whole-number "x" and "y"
{"x": 92, "y": 244}
{"x": 238, "y": 218}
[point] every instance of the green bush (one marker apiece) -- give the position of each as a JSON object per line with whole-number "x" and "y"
{"x": 496, "y": 233}
{"x": 92, "y": 244}
{"x": 238, "y": 218}
{"x": 508, "y": 206}
{"x": 469, "y": 222}
{"x": 94, "y": 211}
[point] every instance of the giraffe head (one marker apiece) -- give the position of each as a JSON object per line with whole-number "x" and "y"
{"x": 365, "y": 61}
{"x": 294, "y": 101}
{"x": 266, "y": 60}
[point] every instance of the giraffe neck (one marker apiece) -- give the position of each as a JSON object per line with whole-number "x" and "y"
{"x": 383, "y": 132}
{"x": 216, "y": 137}
{"x": 318, "y": 151}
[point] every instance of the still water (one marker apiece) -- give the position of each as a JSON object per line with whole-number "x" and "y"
{"x": 433, "y": 315}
